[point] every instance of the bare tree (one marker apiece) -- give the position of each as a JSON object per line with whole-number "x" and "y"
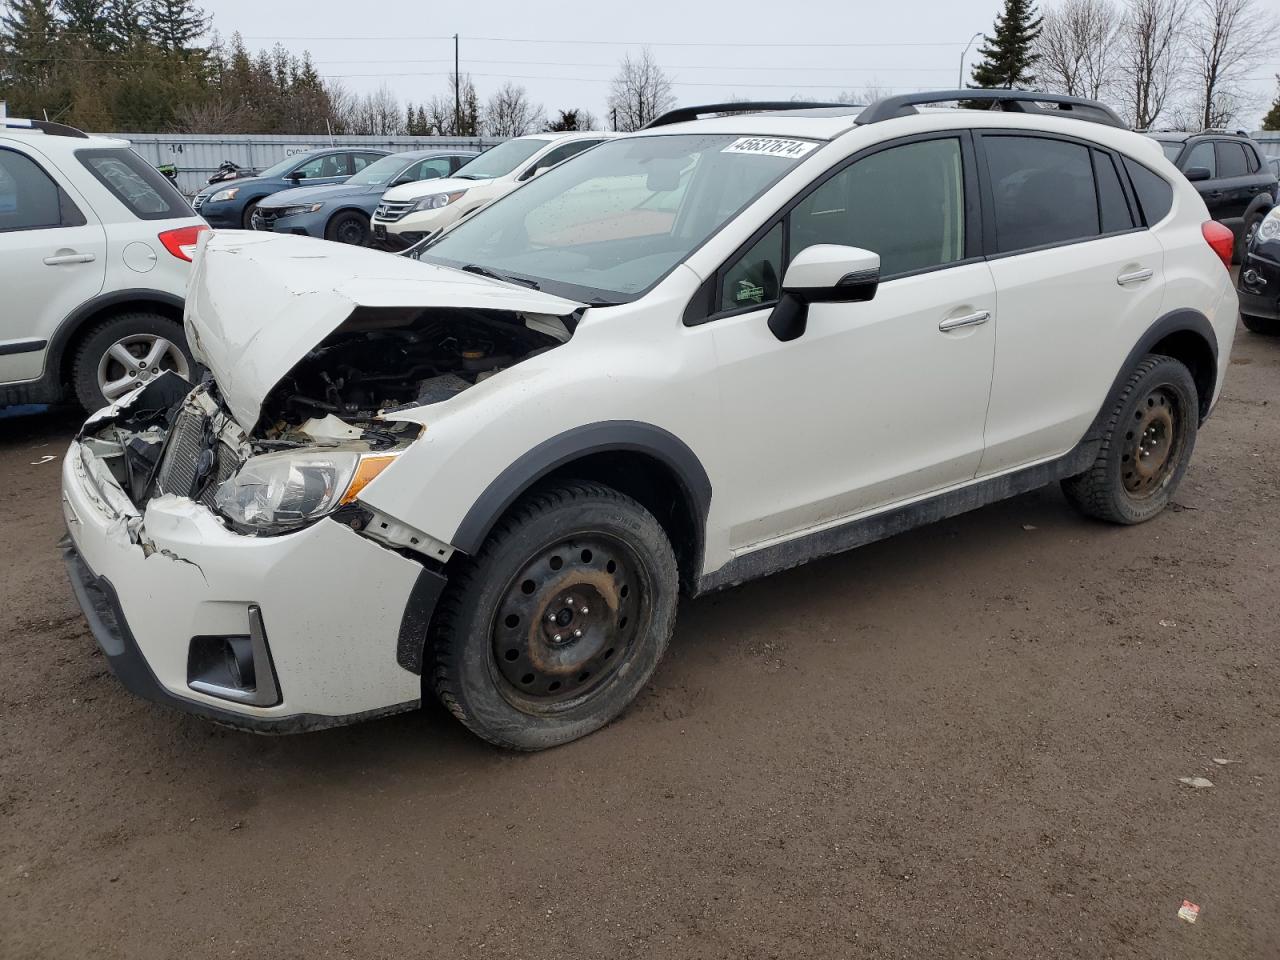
{"x": 640, "y": 92}
{"x": 872, "y": 91}
{"x": 1077, "y": 47}
{"x": 215, "y": 115}
{"x": 1226, "y": 40}
{"x": 1149, "y": 57}
{"x": 509, "y": 113}
{"x": 376, "y": 113}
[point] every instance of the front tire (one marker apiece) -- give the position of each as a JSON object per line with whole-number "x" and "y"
{"x": 246, "y": 220}
{"x": 1146, "y": 446}
{"x": 559, "y": 621}
{"x": 348, "y": 227}
{"x": 122, "y": 353}
{"x": 1267, "y": 326}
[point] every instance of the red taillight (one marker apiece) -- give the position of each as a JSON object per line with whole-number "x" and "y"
{"x": 1221, "y": 239}
{"x": 182, "y": 242}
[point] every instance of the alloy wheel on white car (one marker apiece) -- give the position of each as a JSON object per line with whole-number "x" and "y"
{"x": 133, "y": 360}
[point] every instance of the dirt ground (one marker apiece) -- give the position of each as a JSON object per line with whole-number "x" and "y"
{"x": 963, "y": 742}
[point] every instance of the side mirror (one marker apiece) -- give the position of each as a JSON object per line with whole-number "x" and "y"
{"x": 540, "y": 171}
{"x": 823, "y": 273}
{"x": 297, "y": 175}
{"x": 1196, "y": 174}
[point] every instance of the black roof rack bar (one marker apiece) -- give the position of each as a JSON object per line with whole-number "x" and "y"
{"x": 44, "y": 126}
{"x": 1015, "y": 101}
{"x": 681, "y": 114}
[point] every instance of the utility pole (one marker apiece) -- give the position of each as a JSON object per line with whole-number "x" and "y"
{"x": 457, "y": 96}
{"x": 960, "y": 80}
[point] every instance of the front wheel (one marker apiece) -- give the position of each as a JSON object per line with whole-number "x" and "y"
{"x": 348, "y": 227}
{"x": 1146, "y": 445}
{"x": 559, "y": 621}
{"x": 123, "y": 353}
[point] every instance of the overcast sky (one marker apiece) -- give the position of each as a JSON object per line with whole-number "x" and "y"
{"x": 565, "y": 51}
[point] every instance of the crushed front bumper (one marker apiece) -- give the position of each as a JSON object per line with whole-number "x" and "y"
{"x": 344, "y": 618}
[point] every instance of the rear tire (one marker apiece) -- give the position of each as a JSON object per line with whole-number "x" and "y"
{"x": 109, "y": 361}
{"x": 1146, "y": 446}
{"x": 559, "y": 621}
{"x": 348, "y": 227}
{"x": 1267, "y": 326}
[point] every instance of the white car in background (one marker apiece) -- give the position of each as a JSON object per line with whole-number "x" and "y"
{"x": 413, "y": 211}
{"x": 95, "y": 252}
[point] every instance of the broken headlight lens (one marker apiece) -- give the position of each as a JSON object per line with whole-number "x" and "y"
{"x": 276, "y": 492}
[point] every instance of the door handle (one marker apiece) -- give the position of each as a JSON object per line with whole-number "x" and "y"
{"x": 968, "y": 320}
{"x": 1137, "y": 276}
{"x": 60, "y": 258}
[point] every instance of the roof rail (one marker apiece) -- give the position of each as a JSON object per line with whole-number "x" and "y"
{"x": 44, "y": 126}
{"x": 1223, "y": 131}
{"x": 1015, "y": 101}
{"x": 681, "y": 114}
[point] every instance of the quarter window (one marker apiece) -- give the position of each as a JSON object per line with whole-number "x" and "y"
{"x": 1202, "y": 156}
{"x": 1043, "y": 191}
{"x": 1155, "y": 196}
{"x": 905, "y": 203}
{"x": 135, "y": 183}
{"x": 755, "y": 278}
{"x": 1112, "y": 205}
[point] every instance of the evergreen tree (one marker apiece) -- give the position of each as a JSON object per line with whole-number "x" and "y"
{"x": 126, "y": 26}
{"x": 568, "y": 120}
{"x": 86, "y": 21}
{"x": 1272, "y": 120}
{"x": 28, "y": 40}
{"x": 1008, "y": 55}
{"x": 174, "y": 25}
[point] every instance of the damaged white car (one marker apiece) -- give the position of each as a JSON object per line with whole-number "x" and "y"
{"x": 687, "y": 358}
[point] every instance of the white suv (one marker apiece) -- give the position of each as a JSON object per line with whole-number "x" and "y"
{"x": 95, "y": 253}
{"x": 696, "y": 355}
{"x": 408, "y": 213}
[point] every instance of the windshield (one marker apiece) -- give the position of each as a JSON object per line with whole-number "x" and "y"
{"x": 383, "y": 171}
{"x": 616, "y": 220}
{"x": 1171, "y": 148}
{"x": 283, "y": 167}
{"x": 500, "y": 160}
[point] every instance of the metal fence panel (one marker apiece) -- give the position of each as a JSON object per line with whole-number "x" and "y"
{"x": 197, "y": 156}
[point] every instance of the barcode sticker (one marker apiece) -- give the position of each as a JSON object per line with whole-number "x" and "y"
{"x": 770, "y": 146}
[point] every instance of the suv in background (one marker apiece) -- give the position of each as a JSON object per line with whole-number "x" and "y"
{"x": 341, "y": 211}
{"x": 95, "y": 252}
{"x": 231, "y": 203}
{"x": 1231, "y": 174}
{"x": 408, "y": 214}
{"x": 694, "y": 355}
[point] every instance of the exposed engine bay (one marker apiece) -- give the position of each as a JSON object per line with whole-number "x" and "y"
{"x": 390, "y": 359}
{"x": 171, "y": 437}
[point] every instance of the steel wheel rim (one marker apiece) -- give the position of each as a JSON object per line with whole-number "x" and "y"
{"x": 351, "y": 231}
{"x": 134, "y": 360}
{"x": 567, "y": 622}
{"x": 1153, "y": 444}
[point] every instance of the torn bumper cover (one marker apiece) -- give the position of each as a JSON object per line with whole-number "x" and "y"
{"x": 164, "y": 587}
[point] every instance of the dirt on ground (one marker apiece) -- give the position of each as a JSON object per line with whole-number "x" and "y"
{"x": 962, "y": 742}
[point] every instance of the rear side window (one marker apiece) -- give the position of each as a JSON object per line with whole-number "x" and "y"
{"x": 29, "y": 199}
{"x": 1231, "y": 160}
{"x": 1043, "y": 191}
{"x": 1155, "y": 196}
{"x": 1113, "y": 207}
{"x": 135, "y": 183}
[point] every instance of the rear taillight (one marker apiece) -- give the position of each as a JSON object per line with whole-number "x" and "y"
{"x": 1221, "y": 239}
{"x": 182, "y": 242}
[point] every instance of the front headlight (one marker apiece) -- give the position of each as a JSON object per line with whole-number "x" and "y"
{"x": 299, "y": 209}
{"x": 437, "y": 200}
{"x": 282, "y": 491}
{"x": 1269, "y": 228}
{"x": 227, "y": 194}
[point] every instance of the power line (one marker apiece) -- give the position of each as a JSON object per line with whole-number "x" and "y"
{"x": 674, "y": 83}
{"x": 628, "y": 43}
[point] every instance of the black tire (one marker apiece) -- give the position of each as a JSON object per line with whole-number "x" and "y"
{"x": 571, "y": 538}
{"x": 1154, "y": 420}
{"x": 246, "y": 220}
{"x": 1246, "y": 232}
{"x": 98, "y": 341}
{"x": 1268, "y": 326}
{"x": 348, "y": 226}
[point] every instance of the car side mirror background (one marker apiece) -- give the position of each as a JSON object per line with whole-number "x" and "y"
{"x": 1196, "y": 174}
{"x": 823, "y": 273}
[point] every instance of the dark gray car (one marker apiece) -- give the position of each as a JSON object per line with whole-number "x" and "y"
{"x": 341, "y": 211}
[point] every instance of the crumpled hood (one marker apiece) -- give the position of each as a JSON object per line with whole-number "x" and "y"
{"x": 330, "y": 191}
{"x": 259, "y": 302}
{"x": 424, "y": 188}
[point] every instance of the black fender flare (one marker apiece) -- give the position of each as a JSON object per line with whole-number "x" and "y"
{"x": 81, "y": 316}
{"x": 1176, "y": 321}
{"x": 601, "y": 437}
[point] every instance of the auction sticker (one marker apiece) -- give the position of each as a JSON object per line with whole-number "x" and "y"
{"x": 770, "y": 147}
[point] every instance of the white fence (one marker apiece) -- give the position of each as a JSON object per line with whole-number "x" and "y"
{"x": 197, "y": 156}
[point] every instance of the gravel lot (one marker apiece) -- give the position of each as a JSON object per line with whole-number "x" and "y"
{"x": 964, "y": 742}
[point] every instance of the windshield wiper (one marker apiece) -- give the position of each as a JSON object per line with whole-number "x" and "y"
{"x": 494, "y": 275}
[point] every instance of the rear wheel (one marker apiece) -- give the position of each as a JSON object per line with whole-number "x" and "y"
{"x": 1269, "y": 326}
{"x": 125, "y": 352}
{"x": 1146, "y": 446}
{"x": 348, "y": 227}
{"x": 559, "y": 621}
